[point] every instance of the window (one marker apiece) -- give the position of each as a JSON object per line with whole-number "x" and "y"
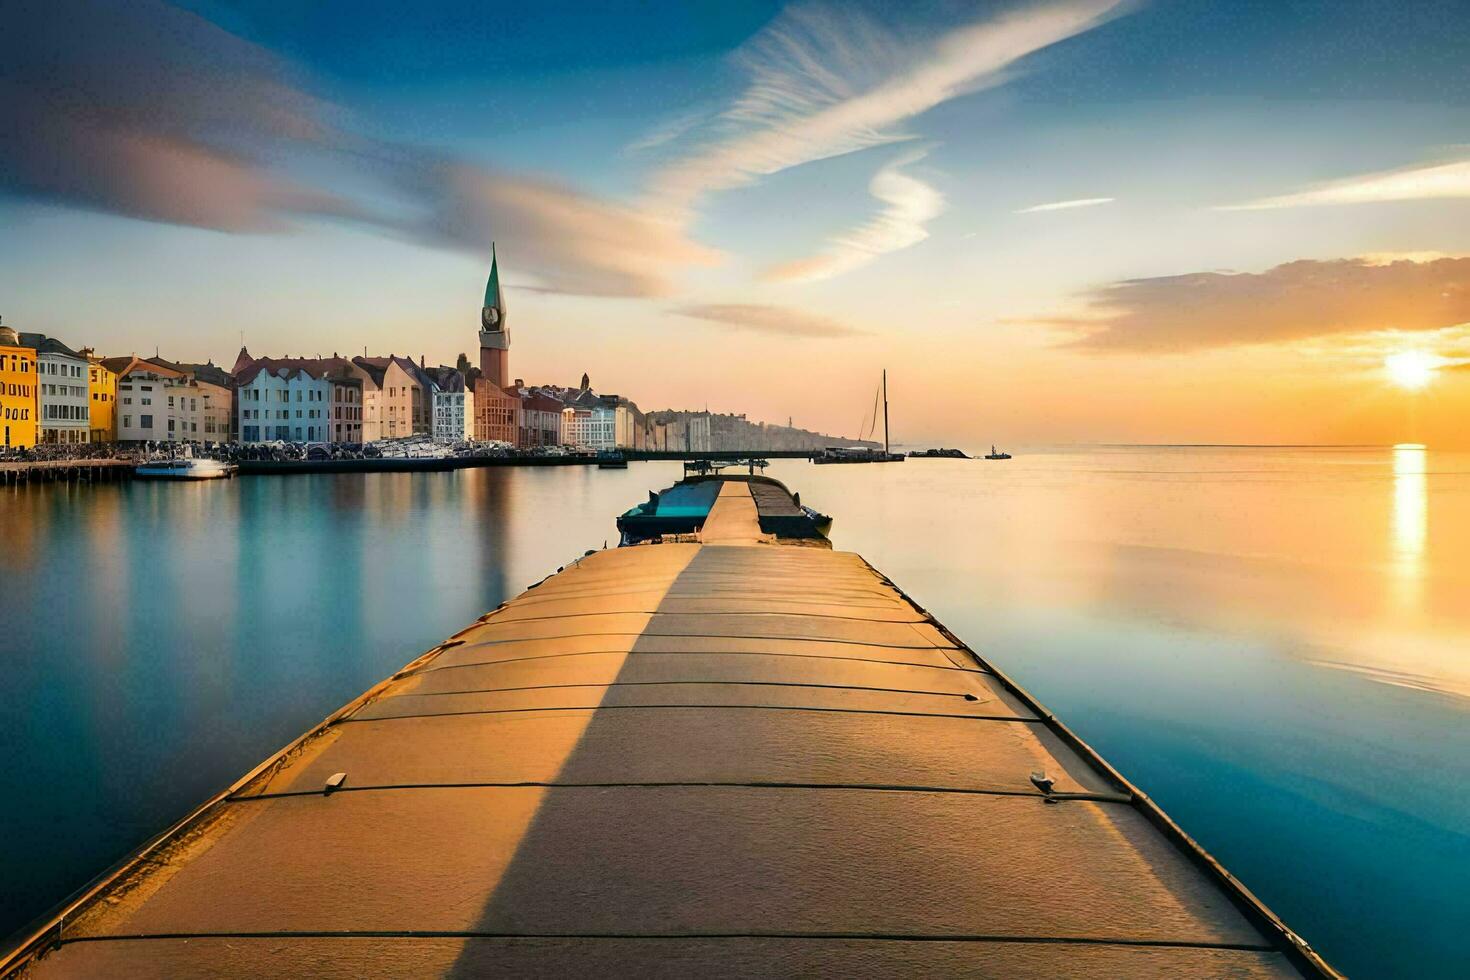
{"x": 170, "y": 426}
{"x": 170, "y": 401}
{"x": 145, "y": 421}
{"x": 127, "y": 421}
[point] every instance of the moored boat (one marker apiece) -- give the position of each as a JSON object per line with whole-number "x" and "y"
{"x": 993, "y": 454}
{"x": 185, "y": 469}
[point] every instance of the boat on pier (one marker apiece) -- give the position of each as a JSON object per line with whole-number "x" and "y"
{"x": 723, "y": 750}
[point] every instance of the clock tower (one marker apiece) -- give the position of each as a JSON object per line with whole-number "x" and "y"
{"x": 494, "y": 337}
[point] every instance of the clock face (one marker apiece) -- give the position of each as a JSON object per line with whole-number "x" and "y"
{"x": 490, "y": 316}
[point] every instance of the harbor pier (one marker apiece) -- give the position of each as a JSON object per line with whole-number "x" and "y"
{"x": 80, "y": 470}
{"x": 724, "y": 751}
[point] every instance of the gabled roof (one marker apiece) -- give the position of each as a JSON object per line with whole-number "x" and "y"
{"x": 289, "y": 367}
{"x": 446, "y": 378}
{"x": 47, "y": 345}
{"x": 377, "y": 367}
{"x": 208, "y": 372}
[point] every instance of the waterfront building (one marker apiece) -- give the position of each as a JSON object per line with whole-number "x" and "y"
{"x": 17, "y": 391}
{"x": 218, "y": 423}
{"x": 63, "y": 400}
{"x": 540, "y": 416}
{"x": 630, "y": 426}
{"x": 161, "y": 401}
{"x": 102, "y": 386}
{"x": 454, "y": 406}
{"x": 400, "y": 402}
{"x": 283, "y": 399}
{"x": 497, "y": 413}
{"x": 590, "y": 427}
{"x": 345, "y": 390}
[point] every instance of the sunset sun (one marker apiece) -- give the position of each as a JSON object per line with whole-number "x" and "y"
{"x": 1411, "y": 369}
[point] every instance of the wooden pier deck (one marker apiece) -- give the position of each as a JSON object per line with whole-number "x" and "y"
{"x": 730, "y": 757}
{"x": 13, "y": 472}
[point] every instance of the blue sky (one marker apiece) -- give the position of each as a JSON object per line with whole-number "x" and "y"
{"x": 699, "y": 201}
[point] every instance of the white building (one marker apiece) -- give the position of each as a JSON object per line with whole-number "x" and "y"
{"x": 283, "y": 399}
{"x": 62, "y": 391}
{"x": 590, "y": 428}
{"x": 454, "y": 406}
{"x": 160, "y": 403}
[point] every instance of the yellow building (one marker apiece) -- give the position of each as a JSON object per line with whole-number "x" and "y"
{"x": 17, "y": 391}
{"x": 102, "y": 384}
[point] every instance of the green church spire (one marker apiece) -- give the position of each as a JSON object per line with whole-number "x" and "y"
{"x": 492, "y": 285}
{"x": 492, "y": 314}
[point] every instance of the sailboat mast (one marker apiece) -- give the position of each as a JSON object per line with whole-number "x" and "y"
{"x": 885, "y": 411}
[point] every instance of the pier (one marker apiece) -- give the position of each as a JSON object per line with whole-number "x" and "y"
{"x": 728, "y": 754}
{"x": 79, "y": 470}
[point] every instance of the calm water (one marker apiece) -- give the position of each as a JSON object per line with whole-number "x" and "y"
{"x": 1273, "y": 643}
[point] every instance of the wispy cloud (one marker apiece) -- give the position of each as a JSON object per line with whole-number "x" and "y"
{"x": 1081, "y": 202}
{"x": 1445, "y": 180}
{"x": 908, "y": 205}
{"x": 1294, "y": 301}
{"x": 825, "y": 81}
{"x": 155, "y": 113}
{"x": 767, "y": 319}
{"x": 571, "y": 242}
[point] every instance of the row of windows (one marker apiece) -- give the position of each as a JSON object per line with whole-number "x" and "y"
{"x": 64, "y": 391}
{"x": 17, "y": 363}
{"x": 65, "y": 413}
{"x": 65, "y": 370}
{"x": 310, "y": 433}
{"x": 65, "y": 435}
{"x": 282, "y": 413}
{"x": 17, "y": 414}
{"x": 22, "y": 391}
{"x": 101, "y": 396}
{"x": 282, "y": 395}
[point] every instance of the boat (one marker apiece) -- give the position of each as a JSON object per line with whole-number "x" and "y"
{"x": 856, "y": 454}
{"x": 186, "y": 467}
{"x": 995, "y": 455}
{"x": 724, "y": 749}
{"x": 864, "y": 454}
{"x": 939, "y": 454}
{"x": 612, "y": 461}
{"x": 683, "y": 509}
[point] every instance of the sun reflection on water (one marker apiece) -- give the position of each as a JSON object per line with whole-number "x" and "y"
{"x": 1410, "y": 523}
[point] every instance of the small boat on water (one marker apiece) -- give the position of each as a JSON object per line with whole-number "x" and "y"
{"x": 995, "y": 455}
{"x": 940, "y": 453}
{"x": 865, "y": 454}
{"x": 186, "y": 468}
{"x": 612, "y": 461}
{"x": 683, "y": 508}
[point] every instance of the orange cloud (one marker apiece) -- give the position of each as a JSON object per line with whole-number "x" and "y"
{"x": 1293, "y": 301}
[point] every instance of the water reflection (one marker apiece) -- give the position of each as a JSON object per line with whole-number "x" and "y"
{"x": 1410, "y": 525}
{"x": 1171, "y": 605}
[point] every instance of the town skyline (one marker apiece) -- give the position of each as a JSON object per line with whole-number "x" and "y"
{"x": 1031, "y": 214}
